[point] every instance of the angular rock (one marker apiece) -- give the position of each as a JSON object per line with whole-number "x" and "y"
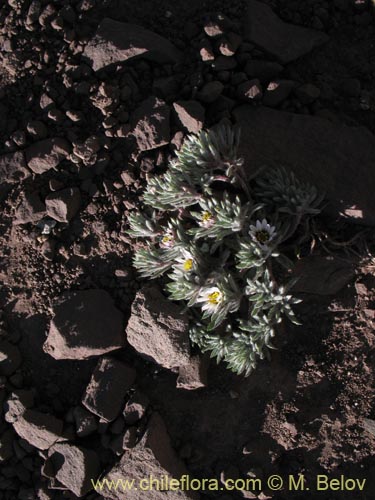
{"x": 46, "y": 16}
{"x": 85, "y": 324}
{"x": 284, "y": 41}
{"x": 88, "y": 149}
{"x": 10, "y": 358}
{"x": 31, "y": 209}
{"x": 19, "y": 138}
{"x": 229, "y": 45}
{"x": 85, "y": 422}
{"x": 46, "y": 102}
{"x": 150, "y": 124}
{"x": 37, "y": 129}
{"x": 158, "y": 330}
{"x": 135, "y": 408}
{"x": 73, "y": 467}
{"x": 17, "y": 403}
{"x": 46, "y": 154}
{"x": 13, "y": 168}
{"x": 322, "y": 275}
{"x": 194, "y": 374}
{"x": 277, "y": 91}
{"x": 153, "y": 457}
{"x": 207, "y": 52}
{"x": 105, "y": 394}
{"x": 39, "y": 429}
{"x": 213, "y": 29}
{"x": 63, "y": 205}
{"x": 190, "y": 115}
{"x": 216, "y": 24}
{"x": 250, "y": 91}
{"x": 328, "y": 155}
{"x": 116, "y": 42}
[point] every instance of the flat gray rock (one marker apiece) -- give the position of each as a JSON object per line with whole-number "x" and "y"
{"x": 116, "y": 42}
{"x": 72, "y": 467}
{"x": 63, "y": 205}
{"x": 152, "y": 457}
{"x": 193, "y": 375}
{"x": 39, "y": 429}
{"x": 189, "y": 115}
{"x": 339, "y": 160}
{"x": 150, "y": 124}
{"x": 284, "y": 41}
{"x": 105, "y": 394}
{"x": 158, "y": 329}
{"x": 47, "y": 154}
{"x": 85, "y": 324}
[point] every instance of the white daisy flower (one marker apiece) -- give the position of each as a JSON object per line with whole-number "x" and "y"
{"x": 167, "y": 239}
{"x": 211, "y": 298}
{"x": 207, "y": 219}
{"x": 186, "y": 261}
{"x": 263, "y": 233}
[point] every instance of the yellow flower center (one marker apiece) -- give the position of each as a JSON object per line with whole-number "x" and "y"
{"x": 262, "y": 236}
{"x": 188, "y": 265}
{"x": 206, "y": 216}
{"x": 166, "y": 239}
{"x": 214, "y": 298}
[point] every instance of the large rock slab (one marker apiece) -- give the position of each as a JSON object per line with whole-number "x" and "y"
{"x": 105, "y": 394}
{"x": 158, "y": 329}
{"x": 13, "y": 168}
{"x": 116, "y": 42}
{"x": 72, "y": 467}
{"x": 284, "y": 41}
{"x": 39, "y": 429}
{"x": 150, "y": 124}
{"x": 152, "y": 457}
{"x": 85, "y": 324}
{"x": 339, "y": 160}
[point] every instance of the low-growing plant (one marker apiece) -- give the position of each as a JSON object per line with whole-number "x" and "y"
{"x": 216, "y": 233}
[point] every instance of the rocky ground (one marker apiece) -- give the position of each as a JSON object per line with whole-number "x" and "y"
{"x": 97, "y": 377}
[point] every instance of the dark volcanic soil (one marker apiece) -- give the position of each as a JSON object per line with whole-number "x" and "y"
{"x": 73, "y": 161}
